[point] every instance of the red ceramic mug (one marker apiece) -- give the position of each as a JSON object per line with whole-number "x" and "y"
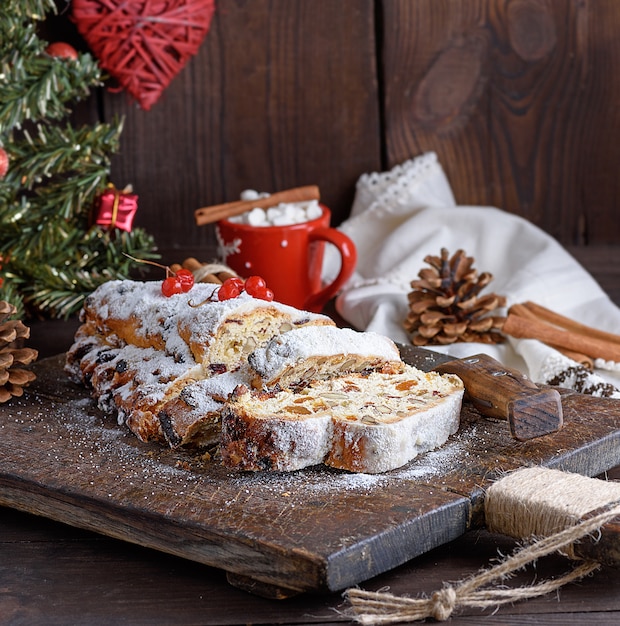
{"x": 289, "y": 258}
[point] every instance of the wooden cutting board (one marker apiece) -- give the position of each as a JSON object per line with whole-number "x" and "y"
{"x": 275, "y": 534}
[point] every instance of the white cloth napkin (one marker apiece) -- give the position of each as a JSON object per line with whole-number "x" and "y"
{"x": 400, "y": 216}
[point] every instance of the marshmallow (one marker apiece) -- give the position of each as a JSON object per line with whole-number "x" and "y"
{"x": 283, "y": 214}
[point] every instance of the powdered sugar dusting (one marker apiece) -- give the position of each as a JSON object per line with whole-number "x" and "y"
{"x": 300, "y": 344}
{"x": 181, "y": 320}
{"x": 319, "y": 479}
{"x": 84, "y": 430}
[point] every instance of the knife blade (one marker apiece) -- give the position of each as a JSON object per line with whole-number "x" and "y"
{"x": 497, "y": 391}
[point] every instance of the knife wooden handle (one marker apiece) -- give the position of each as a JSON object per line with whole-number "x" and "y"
{"x": 504, "y": 393}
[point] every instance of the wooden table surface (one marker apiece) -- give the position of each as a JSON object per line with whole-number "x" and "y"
{"x": 51, "y": 573}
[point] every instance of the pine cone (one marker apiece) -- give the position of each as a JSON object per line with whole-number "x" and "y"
{"x": 445, "y": 306}
{"x": 13, "y": 378}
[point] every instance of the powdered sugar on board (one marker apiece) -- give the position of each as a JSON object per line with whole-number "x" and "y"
{"x": 82, "y": 433}
{"x": 71, "y": 445}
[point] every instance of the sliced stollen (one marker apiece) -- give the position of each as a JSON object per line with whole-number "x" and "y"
{"x": 138, "y": 350}
{"x": 317, "y": 353}
{"x": 88, "y": 349}
{"x": 155, "y": 397}
{"x": 135, "y": 382}
{"x": 192, "y": 418}
{"x": 181, "y": 371}
{"x": 361, "y": 423}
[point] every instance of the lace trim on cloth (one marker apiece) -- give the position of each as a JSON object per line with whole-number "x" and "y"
{"x": 384, "y": 192}
{"x": 561, "y": 372}
{"x": 400, "y": 177}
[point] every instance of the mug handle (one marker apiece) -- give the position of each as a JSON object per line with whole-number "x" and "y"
{"x": 348, "y": 257}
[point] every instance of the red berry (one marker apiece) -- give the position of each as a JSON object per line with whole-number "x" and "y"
{"x": 257, "y": 288}
{"x": 261, "y": 294}
{"x": 235, "y": 280}
{"x": 255, "y": 285}
{"x": 170, "y": 286}
{"x": 231, "y": 288}
{"x": 4, "y": 162}
{"x": 186, "y": 278}
{"x": 62, "y": 50}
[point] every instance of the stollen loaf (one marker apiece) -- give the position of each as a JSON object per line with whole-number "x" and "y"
{"x": 190, "y": 326}
{"x": 138, "y": 350}
{"x": 267, "y": 386}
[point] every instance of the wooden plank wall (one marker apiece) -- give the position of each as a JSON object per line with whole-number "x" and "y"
{"x": 519, "y": 100}
{"x": 517, "y": 97}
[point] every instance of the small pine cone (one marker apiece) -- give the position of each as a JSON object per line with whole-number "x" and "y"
{"x": 13, "y": 356}
{"x": 445, "y": 306}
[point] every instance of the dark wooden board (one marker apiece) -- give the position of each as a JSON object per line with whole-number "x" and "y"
{"x": 275, "y": 534}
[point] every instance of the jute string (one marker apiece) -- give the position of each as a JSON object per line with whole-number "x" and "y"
{"x": 384, "y": 608}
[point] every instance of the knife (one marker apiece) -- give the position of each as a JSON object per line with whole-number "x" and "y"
{"x": 496, "y": 391}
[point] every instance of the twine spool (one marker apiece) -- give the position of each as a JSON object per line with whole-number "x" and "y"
{"x": 529, "y": 502}
{"x": 538, "y": 502}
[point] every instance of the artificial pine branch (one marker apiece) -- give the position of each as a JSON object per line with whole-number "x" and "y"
{"x": 37, "y": 86}
{"x": 56, "y": 150}
{"x": 63, "y": 168}
{"x": 52, "y": 257}
{"x": 60, "y": 285}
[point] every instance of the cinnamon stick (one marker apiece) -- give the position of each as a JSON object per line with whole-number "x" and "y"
{"x": 583, "y": 359}
{"x": 525, "y": 328}
{"x": 564, "y": 322}
{"x": 216, "y": 212}
{"x": 523, "y": 310}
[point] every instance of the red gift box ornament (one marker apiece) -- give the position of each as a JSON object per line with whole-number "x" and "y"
{"x": 143, "y": 44}
{"x": 117, "y": 208}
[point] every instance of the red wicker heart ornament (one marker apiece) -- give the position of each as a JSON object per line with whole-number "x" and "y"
{"x": 143, "y": 44}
